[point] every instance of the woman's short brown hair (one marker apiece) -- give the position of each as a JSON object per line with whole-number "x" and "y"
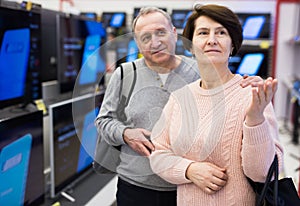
{"x": 220, "y": 14}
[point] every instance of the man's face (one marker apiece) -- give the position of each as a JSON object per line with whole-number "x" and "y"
{"x": 156, "y": 39}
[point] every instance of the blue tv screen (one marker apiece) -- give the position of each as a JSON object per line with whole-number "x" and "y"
{"x": 20, "y": 54}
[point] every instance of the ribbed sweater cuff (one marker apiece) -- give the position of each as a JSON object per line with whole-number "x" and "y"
{"x": 257, "y": 133}
{"x": 119, "y": 134}
{"x": 180, "y": 170}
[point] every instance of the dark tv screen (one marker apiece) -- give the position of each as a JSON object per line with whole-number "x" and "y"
{"x": 22, "y": 160}
{"x": 78, "y": 46}
{"x": 20, "y": 56}
{"x": 179, "y": 17}
{"x": 73, "y": 137}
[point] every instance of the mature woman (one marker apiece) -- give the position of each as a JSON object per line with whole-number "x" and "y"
{"x": 213, "y": 133}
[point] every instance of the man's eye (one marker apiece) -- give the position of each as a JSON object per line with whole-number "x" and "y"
{"x": 161, "y": 33}
{"x": 145, "y": 39}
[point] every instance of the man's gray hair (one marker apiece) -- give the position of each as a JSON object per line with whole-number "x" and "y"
{"x": 148, "y": 10}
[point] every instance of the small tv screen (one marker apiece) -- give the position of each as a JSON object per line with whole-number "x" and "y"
{"x": 20, "y": 53}
{"x": 255, "y": 25}
{"x": 73, "y": 137}
{"x": 22, "y": 160}
{"x": 114, "y": 19}
{"x": 251, "y": 60}
{"x": 179, "y": 17}
{"x": 78, "y": 46}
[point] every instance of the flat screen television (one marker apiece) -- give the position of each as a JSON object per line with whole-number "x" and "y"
{"x": 73, "y": 137}
{"x": 78, "y": 44}
{"x": 22, "y": 160}
{"x": 251, "y": 60}
{"x": 255, "y": 25}
{"x": 126, "y": 49}
{"x": 179, "y": 17}
{"x": 20, "y": 56}
{"x": 114, "y": 19}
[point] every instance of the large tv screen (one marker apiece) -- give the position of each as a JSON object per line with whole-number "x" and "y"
{"x": 73, "y": 137}
{"x": 78, "y": 45}
{"x": 20, "y": 53}
{"x": 22, "y": 160}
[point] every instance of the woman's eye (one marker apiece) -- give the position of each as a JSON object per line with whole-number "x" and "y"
{"x": 203, "y": 33}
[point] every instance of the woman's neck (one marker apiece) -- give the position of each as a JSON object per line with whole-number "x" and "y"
{"x": 213, "y": 77}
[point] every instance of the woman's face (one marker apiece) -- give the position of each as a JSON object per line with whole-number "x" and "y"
{"x": 211, "y": 42}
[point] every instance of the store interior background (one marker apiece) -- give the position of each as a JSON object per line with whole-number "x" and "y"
{"x": 284, "y": 44}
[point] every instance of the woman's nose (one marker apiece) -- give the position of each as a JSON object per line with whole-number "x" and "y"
{"x": 212, "y": 40}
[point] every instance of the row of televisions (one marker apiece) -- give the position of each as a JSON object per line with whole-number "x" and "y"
{"x": 73, "y": 137}
{"x": 255, "y": 25}
{"x": 50, "y": 45}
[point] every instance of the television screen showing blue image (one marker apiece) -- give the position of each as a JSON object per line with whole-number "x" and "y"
{"x": 20, "y": 54}
{"x": 255, "y": 25}
{"x": 22, "y": 160}
{"x": 78, "y": 44}
{"x": 114, "y": 19}
{"x": 73, "y": 137}
{"x": 250, "y": 64}
{"x": 252, "y": 27}
{"x": 251, "y": 60}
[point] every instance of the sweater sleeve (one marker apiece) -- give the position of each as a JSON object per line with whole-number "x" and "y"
{"x": 110, "y": 128}
{"x": 164, "y": 162}
{"x": 260, "y": 144}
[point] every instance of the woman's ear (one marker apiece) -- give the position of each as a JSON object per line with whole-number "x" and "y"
{"x": 232, "y": 48}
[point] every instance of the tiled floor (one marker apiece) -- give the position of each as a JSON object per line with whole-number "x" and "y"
{"x": 291, "y": 155}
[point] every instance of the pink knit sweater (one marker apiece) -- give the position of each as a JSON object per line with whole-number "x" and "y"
{"x": 208, "y": 125}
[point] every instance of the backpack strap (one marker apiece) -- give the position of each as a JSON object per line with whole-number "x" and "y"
{"x": 123, "y": 99}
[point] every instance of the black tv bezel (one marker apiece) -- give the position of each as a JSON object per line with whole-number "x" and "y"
{"x": 71, "y": 181}
{"x": 28, "y": 95}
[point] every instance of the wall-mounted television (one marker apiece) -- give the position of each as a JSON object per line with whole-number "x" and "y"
{"x": 73, "y": 137}
{"x": 114, "y": 19}
{"x": 20, "y": 56}
{"x": 255, "y": 25}
{"x": 78, "y": 44}
{"x": 251, "y": 60}
{"x": 22, "y": 180}
{"x": 179, "y": 17}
